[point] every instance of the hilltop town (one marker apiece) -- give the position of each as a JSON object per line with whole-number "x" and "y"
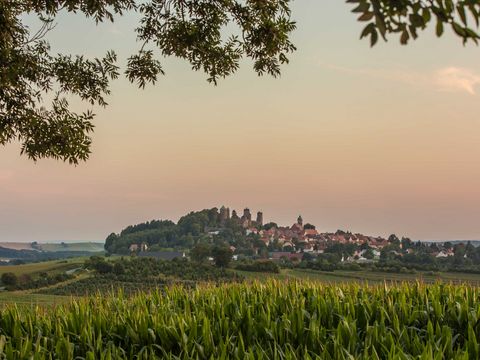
{"x": 247, "y": 236}
{"x": 299, "y": 237}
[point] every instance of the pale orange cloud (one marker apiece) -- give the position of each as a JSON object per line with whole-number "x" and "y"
{"x": 457, "y": 79}
{"x": 451, "y": 78}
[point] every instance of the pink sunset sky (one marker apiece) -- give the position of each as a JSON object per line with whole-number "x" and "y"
{"x": 378, "y": 141}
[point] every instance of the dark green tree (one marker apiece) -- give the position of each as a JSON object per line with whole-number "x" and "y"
{"x": 110, "y": 241}
{"x": 406, "y": 243}
{"x": 119, "y": 268}
{"x": 9, "y": 279}
{"x": 341, "y": 249}
{"x": 394, "y": 241}
{"x": 193, "y": 30}
{"x": 200, "y": 252}
{"x": 470, "y": 250}
{"x": 368, "y": 254}
{"x": 222, "y": 255}
{"x": 270, "y": 225}
{"x": 98, "y": 264}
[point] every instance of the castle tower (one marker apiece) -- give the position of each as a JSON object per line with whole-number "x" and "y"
{"x": 224, "y": 215}
{"x": 246, "y": 219}
{"x": 260, "y": 218}
{"x": 247, "y": 215}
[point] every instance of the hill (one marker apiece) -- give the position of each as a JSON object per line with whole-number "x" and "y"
{"x": 16, "y": 245}
{"x": 32, "y": 252}
{"x": 246, "y": 234}
{"x": 77, "y": 246}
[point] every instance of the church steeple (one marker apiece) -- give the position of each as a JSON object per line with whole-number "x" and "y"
{"x": 300, "y": 220}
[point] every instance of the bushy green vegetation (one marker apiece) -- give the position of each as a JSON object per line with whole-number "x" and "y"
{"x": 110, "y": 283}
{"x": 408, "y": 258}
{"x": 131, "y": 275}
{"x": 254, "y": 321}
{"x": 466, "y": 258}
{"x": 27, "y": 282}
{"x": 258, "y": 266}
{"x": 136, "y": 269}
{"x": 38, "y": 275}
{"x": 161, "y": 234}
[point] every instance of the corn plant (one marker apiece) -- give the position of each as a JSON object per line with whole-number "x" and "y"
{"x": 273, "y": 320}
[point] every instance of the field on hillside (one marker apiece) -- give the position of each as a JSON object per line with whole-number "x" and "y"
{"x": 272, "y": 320}
{"x": 86, "y": 283}
{"x": 370, "y": 277}
{"x": 50, "y": 267}
{"x": 16, "y": 245}
{"x": 24, "y": 298}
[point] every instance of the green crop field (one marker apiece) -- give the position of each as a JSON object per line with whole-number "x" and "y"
{"x": 269, "y": 320}
{"x": 370, "y": 277}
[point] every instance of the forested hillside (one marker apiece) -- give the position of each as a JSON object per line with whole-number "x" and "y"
{"x": 160, "y": 234}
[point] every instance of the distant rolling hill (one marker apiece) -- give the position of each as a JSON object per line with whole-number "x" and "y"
{"x": 78, "y": 246}
{"x": 46, "y": 251}
{"x": 16, "y": 245}
{"x": 54, "y": 247}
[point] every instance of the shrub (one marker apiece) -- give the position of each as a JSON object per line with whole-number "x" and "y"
{"x": 9, "y": 279}
{"x": 259, "y": 266}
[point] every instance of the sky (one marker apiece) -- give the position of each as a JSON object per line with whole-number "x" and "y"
{"x": 377, "y": 141}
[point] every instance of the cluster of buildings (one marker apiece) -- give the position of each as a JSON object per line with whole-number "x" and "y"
{"x": 138, "y": 247}
{"x": 306, "y": 238}
{"x": 444, "y": 253}
{"x": 295, "y": 238}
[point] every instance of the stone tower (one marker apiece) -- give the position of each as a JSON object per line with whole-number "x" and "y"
{"x": 246, "y": 214}
{"x": 246, "y": 219}
{"x": 260, "y": 218}
{"x": 224, "y": 215}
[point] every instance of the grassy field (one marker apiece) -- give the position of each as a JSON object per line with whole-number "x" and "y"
{"x": 364, "y": 276}
{"x": 50, "y": 267}
{"x": 29, "y": 297}
{"x": 25, "y": 298}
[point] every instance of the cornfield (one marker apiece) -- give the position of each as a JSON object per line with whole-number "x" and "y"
{"x": 273, "y": 320}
